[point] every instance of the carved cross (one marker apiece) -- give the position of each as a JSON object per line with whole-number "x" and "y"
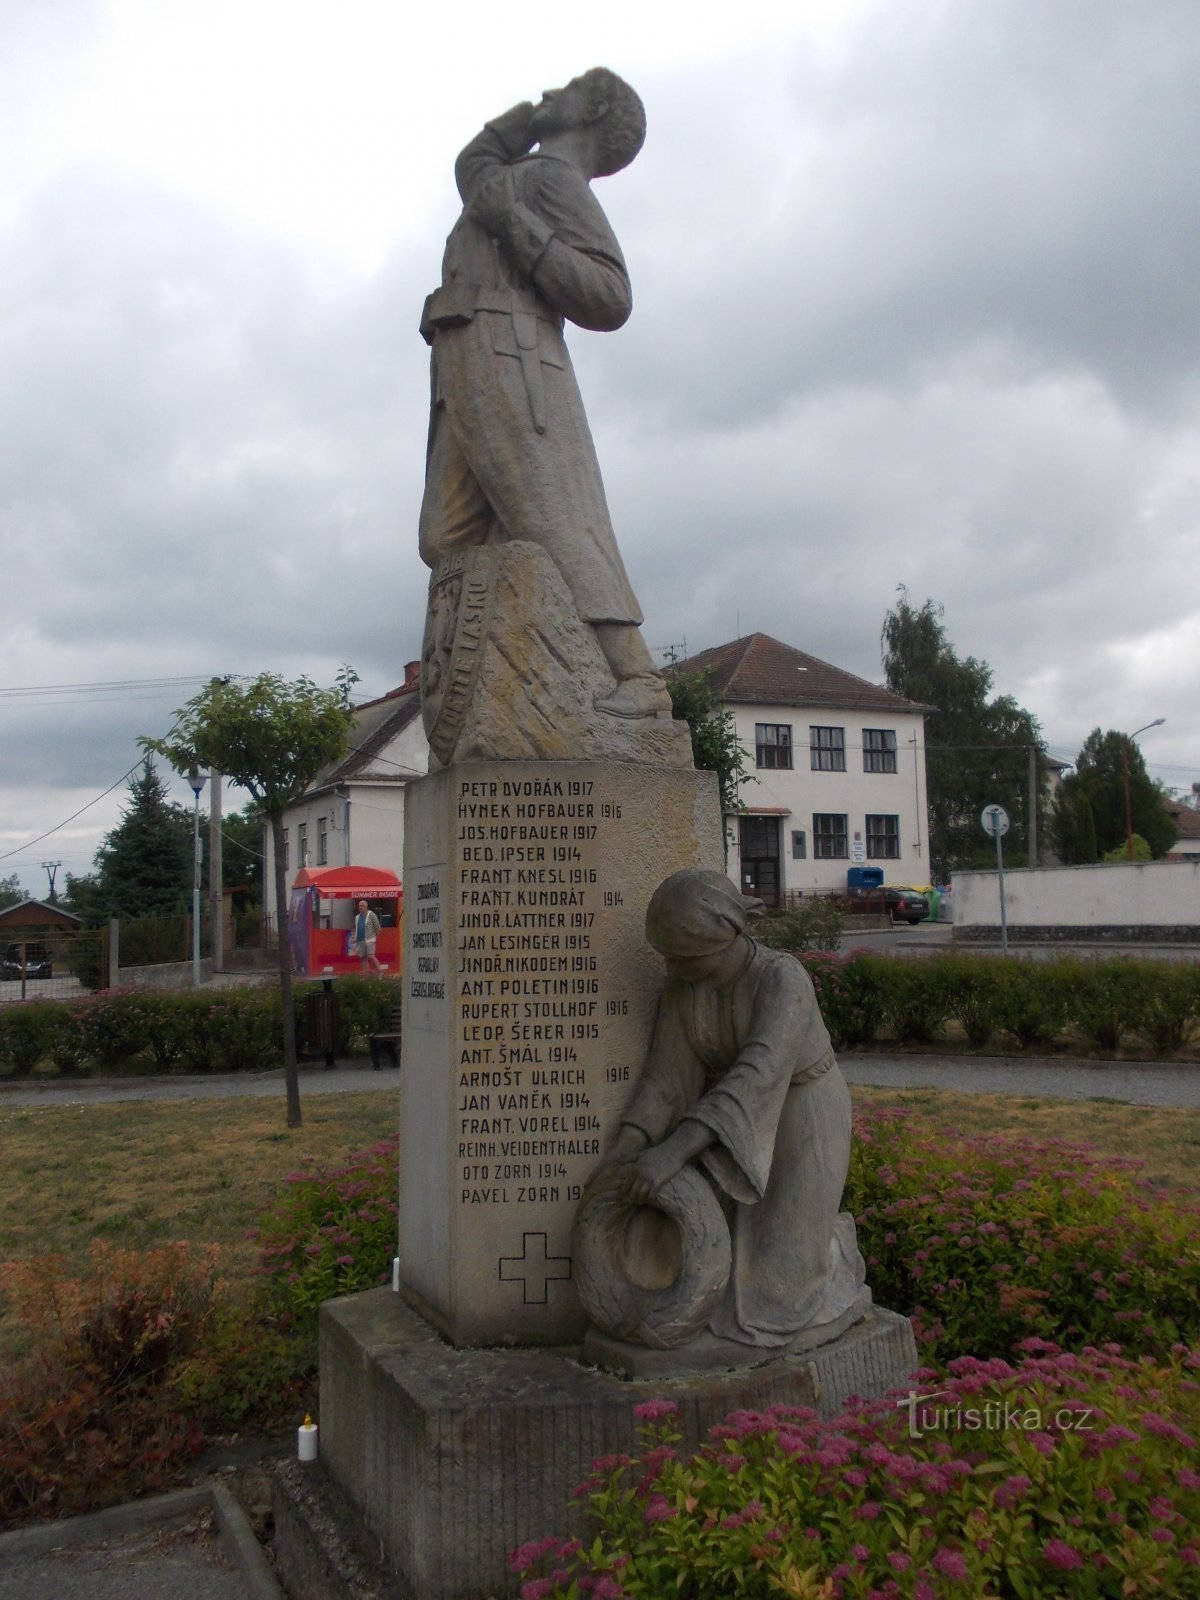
{"x": 533, "y": 1268}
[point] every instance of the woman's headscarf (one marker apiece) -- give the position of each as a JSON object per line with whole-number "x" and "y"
{"x": 696, "y": 912}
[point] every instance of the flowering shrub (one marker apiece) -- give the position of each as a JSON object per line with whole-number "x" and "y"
{"x": 91, "y": 1418}
{"x": 852, "y": 1000}
{"x": 986, "y": 1240}
{"x": 132, "y": 1361}
{"x": 1061, "y": 1476}
{"x": 332, "y": 1231}
{"x": 113, "y": 1027}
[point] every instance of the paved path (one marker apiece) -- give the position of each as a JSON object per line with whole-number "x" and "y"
{"x": 1143, "y": 1083}
{"x": 346, "y": 1078}
{"x": 1140, "y": 1083}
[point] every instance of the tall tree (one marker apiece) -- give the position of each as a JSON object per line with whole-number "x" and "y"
{"x": 1099, "y": 781}
{"x": 977, "y": 749}
{"x": 11, "y": 893}
{"x": 272, "y": 737}
{"x": 144, "y": 865}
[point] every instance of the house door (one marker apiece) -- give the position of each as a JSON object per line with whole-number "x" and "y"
{"x": 759, "y": 837}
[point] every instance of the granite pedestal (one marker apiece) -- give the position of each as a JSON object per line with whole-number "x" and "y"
{"x": 454, "y": 1457}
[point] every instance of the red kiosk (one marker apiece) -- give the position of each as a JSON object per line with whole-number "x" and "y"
{"x": 321, "y": 918}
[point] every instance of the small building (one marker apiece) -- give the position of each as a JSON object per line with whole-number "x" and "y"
{"x": 1187, "y": 831}
{"x": 35, "y": 918}
{"x": 839, "y": 765}
{"x": 353, "y": 812}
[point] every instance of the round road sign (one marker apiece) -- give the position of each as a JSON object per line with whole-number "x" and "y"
{"x": 994, "y": 820}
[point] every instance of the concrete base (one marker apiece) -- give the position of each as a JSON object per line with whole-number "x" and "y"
{"x": 454, "y": 1457}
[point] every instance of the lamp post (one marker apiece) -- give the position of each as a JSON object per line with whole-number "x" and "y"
{"x": 1129, "y": 738}
{"x": 197, "y": 780}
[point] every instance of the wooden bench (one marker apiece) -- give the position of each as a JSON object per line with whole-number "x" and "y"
{"x": 387, "y": 1039}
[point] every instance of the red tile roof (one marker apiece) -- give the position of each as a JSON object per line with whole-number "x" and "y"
{"x": 760, "y": 671}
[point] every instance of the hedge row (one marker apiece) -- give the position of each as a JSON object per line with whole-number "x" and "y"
{"x": 1032, "y": 1005}
{"x": 226, "y": 1030}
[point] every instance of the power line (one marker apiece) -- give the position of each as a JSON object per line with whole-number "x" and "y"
{"x": 29, "y": 843}
{"x": 114, "y": 685}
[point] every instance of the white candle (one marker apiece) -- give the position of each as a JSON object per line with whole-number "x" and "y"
{"x": 307, "y": 1440}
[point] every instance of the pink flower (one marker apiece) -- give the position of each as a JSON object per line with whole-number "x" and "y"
{"x": 608, "y": 1589}
{"x": 1059, "y": 1554}
{"x": 652, "y": 1410}
{"x": 952, "y": 1564}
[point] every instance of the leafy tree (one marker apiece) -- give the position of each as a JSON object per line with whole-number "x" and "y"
{"x": 1120, "y": 852}
{"x": 977, "y": 749}
{"x": 82, "y": 897}
{"x": 1099, "y": 779}
{"x": 242, "y": 852}
{"x": 11, "y": 893}
{"x": 272, "y": 737}
{"x": 715, "y": 746}
{"x": 1073, "y": 826}
{"x": 144, "y": 865}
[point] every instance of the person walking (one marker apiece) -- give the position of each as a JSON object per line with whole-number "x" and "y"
{"x": 366, "y": 931}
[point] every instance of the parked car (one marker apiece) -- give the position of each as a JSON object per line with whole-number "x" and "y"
{"x": 37, "y": 961}
{"x": 906, "y": 905}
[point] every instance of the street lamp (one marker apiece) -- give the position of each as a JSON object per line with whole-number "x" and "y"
{"x": 1129, "y": 738}
{"x": 197, "y": 781}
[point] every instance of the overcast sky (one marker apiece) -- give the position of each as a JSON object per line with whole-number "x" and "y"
{"x": 917, "y": 301}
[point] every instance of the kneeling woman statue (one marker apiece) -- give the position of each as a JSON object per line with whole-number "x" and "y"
{"x": 740, "y": 1082}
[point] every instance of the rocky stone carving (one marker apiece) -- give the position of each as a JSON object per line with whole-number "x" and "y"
{"x": 510, "y": 453}
{"x": 507, "y": 667}
{"x": 740, "y": 1092}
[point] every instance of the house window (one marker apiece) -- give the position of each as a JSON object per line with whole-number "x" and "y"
{"x": 322, "y": 841}
{"x": 883, "y": 838}
{"x": 287, "y": 851}
{"x": 773, "y": 744}
{"x": 302, "y": 842}
{"x": 799, "y": 844}
{"x": 879, "y": 750}
{"x": 831, "y": 837}
{"x": 828, "y": 748}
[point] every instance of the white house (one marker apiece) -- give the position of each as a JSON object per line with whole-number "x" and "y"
{"x": 840, "y": 770}
{"x": 353, "y": 813}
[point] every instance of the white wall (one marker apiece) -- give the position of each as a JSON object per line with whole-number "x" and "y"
{"x": 1149, "y": 894}
{"x": 800, "y": 792}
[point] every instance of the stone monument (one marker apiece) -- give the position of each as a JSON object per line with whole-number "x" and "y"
{"x": 458, "y": 1413}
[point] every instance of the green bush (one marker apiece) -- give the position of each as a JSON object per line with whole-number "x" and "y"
{"x": 1166, "y": 1004}
{"x": 66, "y": 1045}
{"x": 1092, "y": 1492}
{"x": 916, "y": 997}
{"x": 114, "y": 1027}
{"x": 1032, "y": 1002}
{"x": 972, "y": 989}
{"x": 986, "y": 1241}
{"x": 851, "y": 999}
{"x": 26, "y": 1031}
{"x": 331, "y": 1232}
{"x": 814, "y": 924}
{"x": 1103, "y": 998}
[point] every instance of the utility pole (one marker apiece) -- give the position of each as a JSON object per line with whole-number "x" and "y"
{"x": 216, "y": 877}
{"x": 1033, "y": 800}
{"x": 50, "y": 868}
